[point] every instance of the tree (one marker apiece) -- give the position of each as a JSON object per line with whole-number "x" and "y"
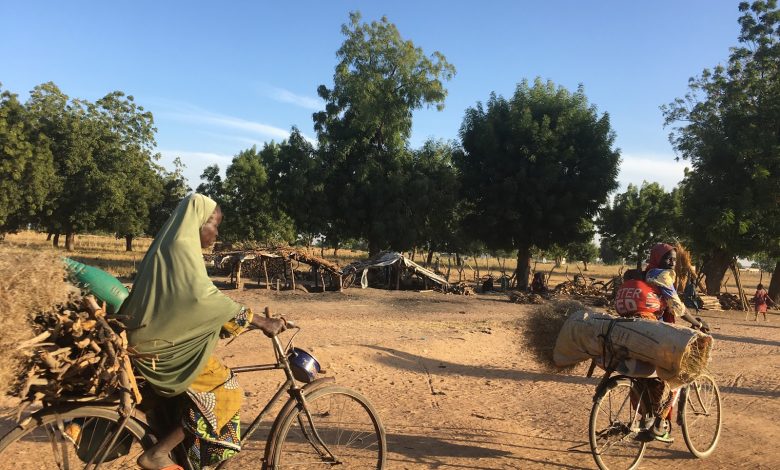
{"x": 583, "y": 251}
{"x": 363, "y": 132}
{"x": 728, "y": 127}
{"x": 637, "y": 219}
{"x": 128, "y": 179}
{"x": 174, "y": 189}
{"x": 250, "y": 211}
{"x": 535, "y": 168}
{"x": 103, "y": 160}
{"x": 296, "y": 180}
{"x": 432, "y": 193}
{"x": 26, "y": 166}
{"x": 212, "y": 185}
{"x": 607, "y": 254}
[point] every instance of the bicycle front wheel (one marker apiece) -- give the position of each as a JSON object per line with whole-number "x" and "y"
{"x": 341, "y": 429}
{"x": 700, "y": 407}
{"x": 72, "y": 439}
{"x": 615, "y": 425}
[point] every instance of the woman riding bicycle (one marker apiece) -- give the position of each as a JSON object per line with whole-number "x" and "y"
{"x": 175, "y": 317}
{"x": 651, "y": 295}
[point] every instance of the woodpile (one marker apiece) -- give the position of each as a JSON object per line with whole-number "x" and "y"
{"x": 519, "y": 297}
{"x": 78, "y": 353}
{"x": 56, "y": 343}
{"x": 581, "y": 292}
{"x": 461, "y": 288}
{"x": 732, "y": 302}
{"x": 710, "y": 302}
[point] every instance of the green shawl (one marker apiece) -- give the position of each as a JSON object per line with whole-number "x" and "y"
{"x": 174, "y": 311}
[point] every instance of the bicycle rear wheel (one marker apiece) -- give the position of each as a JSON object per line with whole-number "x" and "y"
{"x": 58, "y": 438}
{"x": 700, "y": 407}
{"x": 344, "y": 431}
{"x": 615, "y": 422}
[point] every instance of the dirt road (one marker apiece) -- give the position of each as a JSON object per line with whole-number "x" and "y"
{"x": 455, "y": 389}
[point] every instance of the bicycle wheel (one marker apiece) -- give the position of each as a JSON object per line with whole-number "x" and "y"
{"x": 344, "y": 430}
{"x": 615, "y": 422}
{"x": 700, "y": 407}
{"x": 70, "y": 439}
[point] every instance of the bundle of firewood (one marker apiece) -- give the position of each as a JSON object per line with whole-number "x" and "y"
{"x": 525, "y": 298}
{"x": 78, "y": 353}
{"x": 589, "y": 295}
{"x": 731, "y": 301}
{"x": 461, "y": 288}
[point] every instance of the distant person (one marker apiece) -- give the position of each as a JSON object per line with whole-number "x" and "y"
{"x": 761, "y": 300}
{"x": 537, "y": 284}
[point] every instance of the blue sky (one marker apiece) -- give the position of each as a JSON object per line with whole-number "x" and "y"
{"x": 221, "y": 76}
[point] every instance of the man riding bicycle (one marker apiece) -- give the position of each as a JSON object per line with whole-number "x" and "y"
{"x": 650, "y": 294}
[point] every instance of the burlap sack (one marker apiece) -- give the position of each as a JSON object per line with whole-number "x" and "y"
{"x": 679, "y": 354}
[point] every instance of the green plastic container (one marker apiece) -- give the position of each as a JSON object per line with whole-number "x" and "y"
{"x": 105, "y": 287}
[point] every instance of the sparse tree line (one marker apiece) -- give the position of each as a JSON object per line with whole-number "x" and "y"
{"x": 530, "y": 173}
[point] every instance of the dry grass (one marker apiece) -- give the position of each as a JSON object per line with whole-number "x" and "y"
{"x": 106, "y": 253}
{"x": 541, "y": 327}
{"x": 31, "y": 282}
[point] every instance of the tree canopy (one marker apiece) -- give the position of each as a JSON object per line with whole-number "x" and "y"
{"x": 637, "y": 219}
{"x": 728, "y": 127}
{"x": 363, "y": 132}
{"x": 535, "y": 168}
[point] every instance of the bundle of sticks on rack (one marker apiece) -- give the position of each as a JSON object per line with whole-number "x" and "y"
{"x": 78, "y": 354}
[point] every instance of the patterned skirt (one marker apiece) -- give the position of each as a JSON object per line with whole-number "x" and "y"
{"x": 211, "y": 417}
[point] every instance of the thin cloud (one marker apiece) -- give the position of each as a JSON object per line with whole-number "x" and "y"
{"x": 661, "y": 169}
{"x": 286, "y": 96}
{"x": 188, "y": 156}
{"x": 186, "y": 112}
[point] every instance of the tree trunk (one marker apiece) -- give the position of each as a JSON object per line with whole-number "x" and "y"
{"x": 774, "y": 284}
{"x": 430, "y": 254}
{"x": 523, "y": 267}
{"x": 48, "y": 236}
{"x": 714, "y": 269}
{"x": 55, "y": 242}
{"x": 586, "y": 266}
{"x": 128, "y": 243}
{"x": 70, "y": 241}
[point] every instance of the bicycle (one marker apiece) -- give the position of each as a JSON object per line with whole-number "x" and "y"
{"x": 321, "y": 424}
{"x": 621, "y": 417}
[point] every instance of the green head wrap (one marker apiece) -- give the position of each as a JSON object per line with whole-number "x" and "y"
{"x": 174, "y": 311}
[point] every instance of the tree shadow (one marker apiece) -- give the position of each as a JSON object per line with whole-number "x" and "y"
{"x": 412, "y": 362}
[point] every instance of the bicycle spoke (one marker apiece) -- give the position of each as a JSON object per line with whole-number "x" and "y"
{"x": 341, "y": 422}
{"x": 613, "y": 428}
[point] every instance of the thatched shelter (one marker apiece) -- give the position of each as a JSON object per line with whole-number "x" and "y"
{"x": 391, "y": 270}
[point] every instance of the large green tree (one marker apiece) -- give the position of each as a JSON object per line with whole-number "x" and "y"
{"x": 103, "y": 158}
{"x": 637, "y": 219}
{"x": 728, "y": 127}
{"x": 26, "y": 166}
{"x": 251, "y": 213}
{"x": 174, "y": 189}
{"x": 363, "y": 132}
{"x": 535, "y": 169}
{"x": 297, "y": 183}
{"x": 432, "y": 192}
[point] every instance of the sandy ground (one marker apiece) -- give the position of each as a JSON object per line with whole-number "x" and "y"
{"x": 455, "y": 389}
